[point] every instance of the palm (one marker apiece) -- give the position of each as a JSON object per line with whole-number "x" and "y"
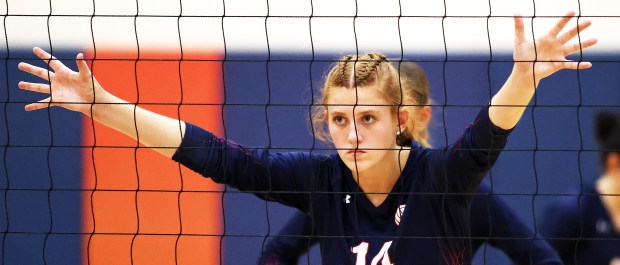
{"x": 547, "y": 54}
{"x": 67, "y": 88}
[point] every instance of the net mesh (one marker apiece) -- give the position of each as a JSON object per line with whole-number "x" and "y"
{"x": 75, "y": 191}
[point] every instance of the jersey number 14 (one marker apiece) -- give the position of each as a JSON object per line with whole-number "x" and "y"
{"x": 362, "y": 249}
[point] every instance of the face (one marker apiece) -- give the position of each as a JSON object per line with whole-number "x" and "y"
{"x": 363, "y": 133}
{"x": 612, "y": 164}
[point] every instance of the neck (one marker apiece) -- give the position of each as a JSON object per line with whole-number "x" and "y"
{"x": 378, "y": 182}
{"x": 608, "y": 187}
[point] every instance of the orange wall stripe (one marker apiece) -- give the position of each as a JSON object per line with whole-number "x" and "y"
{"x": 145, "y": 209}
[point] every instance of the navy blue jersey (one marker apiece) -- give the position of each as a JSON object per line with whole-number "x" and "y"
{"x": 580, "y": 229}
{"x": 424, "y": 220}
{"x": 492, "y": 221}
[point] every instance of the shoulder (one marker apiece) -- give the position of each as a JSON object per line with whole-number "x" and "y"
{"x": 564, "y": 205}
{"x": 419, "y": 161}
{"x": 574, "y": 199}
{"x": 422, "y": 156}
{"x": 562, "y": 216}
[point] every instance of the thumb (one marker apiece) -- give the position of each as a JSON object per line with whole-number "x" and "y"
{"x": 41, "y": 104}
{"x": 81, "y": 64}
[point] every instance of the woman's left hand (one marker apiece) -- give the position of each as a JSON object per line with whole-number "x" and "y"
{"x": 547, "y": 54}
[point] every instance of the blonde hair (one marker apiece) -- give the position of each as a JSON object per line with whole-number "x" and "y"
{"x": 417, "y": 82}
{"x": 365, "y": 70}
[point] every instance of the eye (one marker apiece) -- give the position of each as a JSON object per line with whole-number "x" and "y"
{"x": 368, "y": 118}
{"x": 339, "y": 120}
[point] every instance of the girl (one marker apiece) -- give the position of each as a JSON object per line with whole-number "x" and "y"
{"x": 491, "y": 217}
{"x": 585, "y": 229}
{"x": 372, "y": 202}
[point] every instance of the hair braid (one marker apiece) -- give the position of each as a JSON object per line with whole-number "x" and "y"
{"x": 368, "y": 66}
{"x": 366, "y": 71}
{"x": 342, "y": 64}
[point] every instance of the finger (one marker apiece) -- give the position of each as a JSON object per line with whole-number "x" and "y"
{"x": 82, "y": 65}
{"x": 39, "y": 105}
{"x": 519, "y": 31}
{"x": 577, "y": 65}
{"x": 35, "y": 70}
{"x": 561, "y": 24}
{"x": 35, "y": 87}
{"x": 48, "y": 58}
{"x": 567, "y": 36}
{"x": 578, "y": 47}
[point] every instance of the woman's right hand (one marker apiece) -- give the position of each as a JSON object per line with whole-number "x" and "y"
{"x": 72, "y": 90}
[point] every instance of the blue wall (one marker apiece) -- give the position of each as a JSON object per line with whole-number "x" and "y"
{"x": 40, "y": 167}
{"x": 40, "y": 162}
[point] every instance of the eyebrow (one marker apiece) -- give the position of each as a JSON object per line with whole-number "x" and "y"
{"x": 363, "y": 112}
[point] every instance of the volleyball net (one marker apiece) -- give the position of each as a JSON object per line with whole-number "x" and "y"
{"x": 75, "y": 192}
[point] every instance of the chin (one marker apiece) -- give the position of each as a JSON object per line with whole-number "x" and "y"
{"x": 360, "y": 166}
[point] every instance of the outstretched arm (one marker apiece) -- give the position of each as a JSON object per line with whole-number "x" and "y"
{"x": 252, "y": 170}
{"x": 80, "y": 91}
{"x": 535, "y": 60}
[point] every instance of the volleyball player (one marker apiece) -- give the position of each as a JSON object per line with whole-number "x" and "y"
{"x": 354, "y": 197}
{"x": 585, "y": 229}
{"x": 491, "y": 217}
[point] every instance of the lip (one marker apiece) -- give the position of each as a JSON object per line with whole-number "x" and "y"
{"x": 355, "y": 153}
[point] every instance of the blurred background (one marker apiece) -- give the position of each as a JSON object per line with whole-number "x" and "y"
{"x": 74, "y": 192}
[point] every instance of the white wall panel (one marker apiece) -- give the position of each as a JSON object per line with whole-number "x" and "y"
{"x": 466, "y": 24}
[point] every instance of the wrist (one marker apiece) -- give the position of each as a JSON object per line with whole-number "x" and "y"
{"x": 524, "y": 75}
{"x": 101, "y": 104}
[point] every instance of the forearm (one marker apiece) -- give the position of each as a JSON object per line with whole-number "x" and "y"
{"x": 510, "y": 102}
{"x": 535, "y": 60}
{"x": 161, "y": 133}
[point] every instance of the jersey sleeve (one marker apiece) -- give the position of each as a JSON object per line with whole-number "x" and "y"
{"x": 461, "y": 166}
{"x": 493, "y": 219}
{"x": 290, "y": 243}
{"x": 287, "y": 178}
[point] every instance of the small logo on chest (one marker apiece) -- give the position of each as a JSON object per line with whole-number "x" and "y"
{"x": 399, "y": 213}
{"x": 347, "y": 199}
{"x": 602, "y": 226}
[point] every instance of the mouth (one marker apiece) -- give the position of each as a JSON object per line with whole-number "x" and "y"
{"x": 355, "y": 152}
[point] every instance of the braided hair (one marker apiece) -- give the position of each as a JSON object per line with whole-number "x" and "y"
{"x": 360, "y": 72}
{"x": 364, "y": 68}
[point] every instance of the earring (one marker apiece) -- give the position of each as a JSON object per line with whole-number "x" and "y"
{"x": 401, "y": 140}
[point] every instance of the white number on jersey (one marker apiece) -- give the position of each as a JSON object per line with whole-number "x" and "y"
{"x": 362, "y": 249}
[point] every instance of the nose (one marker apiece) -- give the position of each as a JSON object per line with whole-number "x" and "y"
{"x": 354, "y": 136}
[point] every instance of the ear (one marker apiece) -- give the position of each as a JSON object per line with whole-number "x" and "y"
{"x": 425, "y": 115}
{"x": 403, "y": 115}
